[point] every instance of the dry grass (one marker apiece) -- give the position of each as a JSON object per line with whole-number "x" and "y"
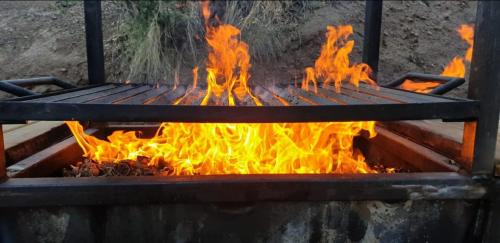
{"x": 162, "y": 37}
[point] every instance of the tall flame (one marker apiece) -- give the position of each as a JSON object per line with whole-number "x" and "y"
{"x": 228, "y": 62}
{"x": 455, "y": 68}
{"x": 221, "y": 148}
{"x": 333, "y": 65}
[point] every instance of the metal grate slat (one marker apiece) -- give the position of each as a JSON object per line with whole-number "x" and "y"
{"x": 96, "y": 95}
{"x": 54, "y": 98}
{"x": 145, "y": 97}
{"x": 121, "y": 96}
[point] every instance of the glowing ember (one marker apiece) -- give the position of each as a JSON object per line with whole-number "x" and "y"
{"x": 333, "y": 65}
{"x": 455, "y": 68}
{"x": 216, "y": 148}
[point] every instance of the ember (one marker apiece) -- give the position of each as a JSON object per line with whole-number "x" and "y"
{"x": 220, "y": 148}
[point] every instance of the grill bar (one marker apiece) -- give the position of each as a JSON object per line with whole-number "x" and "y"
{"x": 140, "y": 102}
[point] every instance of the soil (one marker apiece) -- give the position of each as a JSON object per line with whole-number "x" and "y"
{"x": 44, "y": 38}
{"x": 41, "y": 38}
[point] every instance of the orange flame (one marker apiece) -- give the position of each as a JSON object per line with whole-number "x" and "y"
{"x": 455, "y": 68}
{"x": 228, "y": 62}
{"x": 217, "y": 148}
{"x": 419, "y": 87}
{"x": 221, "y": 148}
{"x": 467, "y": 33}
{"x": 333, "y": 65}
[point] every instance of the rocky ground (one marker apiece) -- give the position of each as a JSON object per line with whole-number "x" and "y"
{"x": 47, "y": 38}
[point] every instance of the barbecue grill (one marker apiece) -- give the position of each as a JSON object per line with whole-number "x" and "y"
{"x": 461, "y": 205}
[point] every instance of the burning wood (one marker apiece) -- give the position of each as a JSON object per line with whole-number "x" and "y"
{"x": 139, "y": 167}
{"x": 142, "y": 167}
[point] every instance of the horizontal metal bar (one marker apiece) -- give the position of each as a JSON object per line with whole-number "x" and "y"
{"x": 447, "y": 83}
{"x": 421, "y": 76}
{"x": 15, "y": 90}
{"x": 13, "y": 86}
{"x": 20, "y": 111}
{"x": 20, "y": 192}
{"x": 55, "y": 93}
{"x": 42, "y": 81}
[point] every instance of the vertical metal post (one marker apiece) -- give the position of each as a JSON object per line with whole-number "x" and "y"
{"x": 93, "y": 35}
{"x": 371, "y": 41}
{"x": 3, "y": 163}
{"x": 491, "y": 232}
{"x": 484, "y": 85}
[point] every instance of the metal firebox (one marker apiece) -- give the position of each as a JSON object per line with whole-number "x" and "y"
{"x": 436, "y": 205}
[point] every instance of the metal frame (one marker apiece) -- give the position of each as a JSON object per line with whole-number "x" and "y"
{"x": 235, "y": 188}
{"x": 3, "y": 162}
{"x": 15, "y": 86}
{"x": 20, "y": 111}
{"x": 371, "y": 41}
{"x": 484, "y": 81}
{"x": 446, "y": 83}
{"x": 94, "y": 40}
{"x": 484, "y": 85}
{"x": 486, "y": 39}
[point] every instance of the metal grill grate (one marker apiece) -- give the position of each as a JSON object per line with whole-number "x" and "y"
{"x": 141, "y": 102}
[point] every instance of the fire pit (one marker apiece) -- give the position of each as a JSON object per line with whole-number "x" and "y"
{"x": 262, "y": 186}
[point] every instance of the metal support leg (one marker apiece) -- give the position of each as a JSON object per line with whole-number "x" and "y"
{"x": 371, "y": 41}
{"x": 3, "y": 163}
{"x": 93, "y": 34}
{"x": 484, "y": 85}
{"x": 491, "y": 232}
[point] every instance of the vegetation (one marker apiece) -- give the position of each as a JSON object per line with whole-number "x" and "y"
{"x": 158, "y": 38}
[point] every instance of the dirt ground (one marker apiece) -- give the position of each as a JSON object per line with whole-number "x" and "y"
{"x": 42, "y": 38}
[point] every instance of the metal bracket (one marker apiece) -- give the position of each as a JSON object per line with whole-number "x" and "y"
{"x": 446, "y": 83}
{"x": 15, "y": 86}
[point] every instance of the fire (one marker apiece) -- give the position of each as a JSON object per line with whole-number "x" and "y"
{"x": 333, "y": 65}
{"x": 265, "y": 148}
{"x": 467, "y": 33}
{"x": 455, "y": 68}
{"x": 217, "y": 148}
{"x": 419, "y": 87}
{"x": 228, "y": 62}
